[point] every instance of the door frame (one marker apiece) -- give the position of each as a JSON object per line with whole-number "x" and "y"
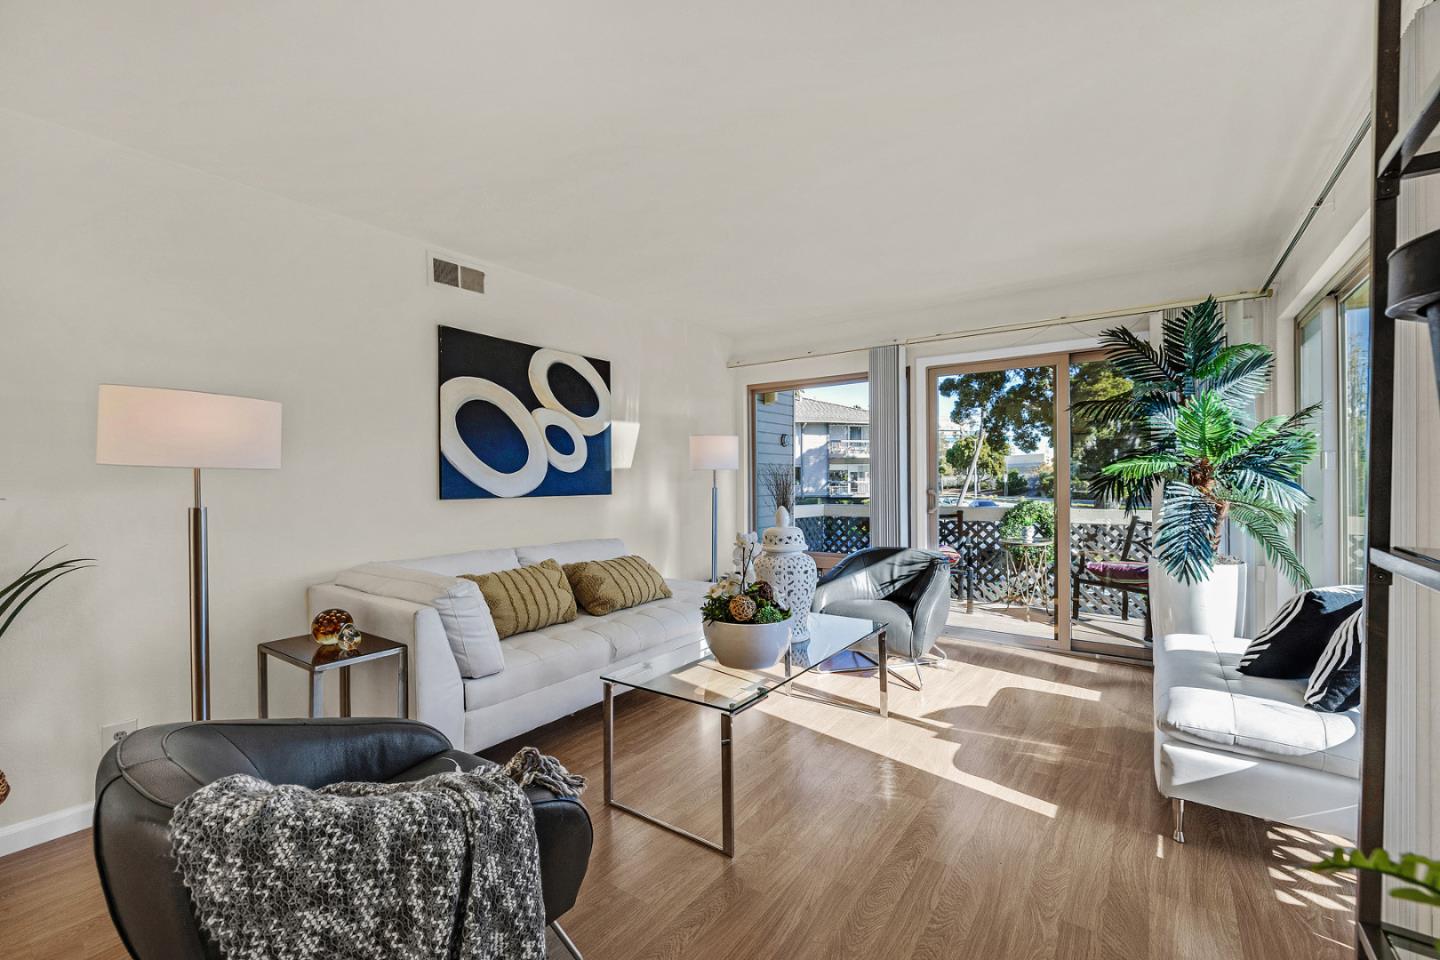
{"x": 1059, "y": 440}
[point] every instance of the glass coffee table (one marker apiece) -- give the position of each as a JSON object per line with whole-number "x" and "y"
{"x": 706, "y": 683}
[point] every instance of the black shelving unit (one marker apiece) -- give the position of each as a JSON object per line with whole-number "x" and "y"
{"x": 1406, "y": 281}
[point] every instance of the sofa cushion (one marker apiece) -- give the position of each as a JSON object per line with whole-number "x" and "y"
{"x": 527, "y": 598}
{"x": 545, "y": 657}
{"x": 1335, "y": 685}
{"x": 468, "y": 625}
{"x": 604, "y": 586}
{"x": 571, "y": 551}
{"x": 1291, "y": 643}
{"x": 1120, "y": 572}
{"x": 471, "y": 561}
{"x": 1202, "y": 697}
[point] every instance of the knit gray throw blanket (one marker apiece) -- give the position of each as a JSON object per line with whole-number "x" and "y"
{"x": 445, "y": 867}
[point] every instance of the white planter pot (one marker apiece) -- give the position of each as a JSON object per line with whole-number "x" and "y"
{"x": 1213, "y": 607}
{"x": 748, "y": 646}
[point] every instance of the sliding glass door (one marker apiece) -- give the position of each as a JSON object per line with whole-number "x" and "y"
{"x": 1332, "y": 360}
{"x": 995, "y": 509}
{"x": 1110, "y": 548}
{"x": 1034, "y": 556}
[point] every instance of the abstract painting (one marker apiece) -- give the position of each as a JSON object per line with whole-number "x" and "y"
{"x": 518, "y": 420}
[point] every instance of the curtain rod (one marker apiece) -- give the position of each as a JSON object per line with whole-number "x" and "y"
{"x": 1344, "y": 162}
{"x": 1060, "y": 321}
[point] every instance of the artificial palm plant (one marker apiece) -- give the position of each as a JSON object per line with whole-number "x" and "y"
{"x": 1190, "y": 409}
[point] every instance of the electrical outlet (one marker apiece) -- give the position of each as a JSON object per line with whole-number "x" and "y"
{"x": 113, "y": 733}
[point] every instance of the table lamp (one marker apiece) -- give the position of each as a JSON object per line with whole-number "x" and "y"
{"x": 154, "y": 427}
{"x": 714, "y": 453}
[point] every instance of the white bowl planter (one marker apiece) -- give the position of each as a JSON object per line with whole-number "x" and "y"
{"x": 1211, "y": 607}
{"x": 748, "y": 646}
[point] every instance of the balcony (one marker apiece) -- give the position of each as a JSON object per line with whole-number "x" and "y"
{"x": 852, "y": 488}
{"x": 842, "y": 450}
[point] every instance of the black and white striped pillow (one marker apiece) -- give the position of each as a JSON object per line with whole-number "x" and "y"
{"x": 1288, "y": 648}
{"x": 1335, "y": 685}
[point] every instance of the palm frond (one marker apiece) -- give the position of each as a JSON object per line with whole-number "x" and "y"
{"x": 1135, "y": 359}
{"x": 1261, "y": 526}
{"x": 1204, "y": 426}
{"x": 1132, "y": 495}
{"x": 1123, "y": 408}
{"x": 1183, "y": 542}
{"x": 1239, "y": 373}
{"x": 1147, "y": 466}
{"x": 1192, "y": 340}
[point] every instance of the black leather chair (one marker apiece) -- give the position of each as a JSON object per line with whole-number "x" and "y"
{"x": 907, "y": 589}
{"x": 144, "y": 776}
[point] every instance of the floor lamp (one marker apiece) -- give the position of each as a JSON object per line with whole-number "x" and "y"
{"x": 153, "y": 427}
{"x": 714, "y": 453}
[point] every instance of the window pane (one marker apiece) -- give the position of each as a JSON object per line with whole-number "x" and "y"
{"x": 1311, "y": 377}
{"x": 1354, "y": 427}
{"x": 811, "y": 451}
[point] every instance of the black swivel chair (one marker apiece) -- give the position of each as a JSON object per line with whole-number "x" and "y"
{"x": 144, "y": 776}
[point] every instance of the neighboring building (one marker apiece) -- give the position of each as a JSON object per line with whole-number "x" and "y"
{"x": 1029, "y": 466}
{"x": 832, "y": 448}
{"x": 1026, "y": 464}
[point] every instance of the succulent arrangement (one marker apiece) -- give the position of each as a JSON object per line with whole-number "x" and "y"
{"x": 737, "y": 598}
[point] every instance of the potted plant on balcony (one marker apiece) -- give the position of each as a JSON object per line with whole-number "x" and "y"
{"x": 744, "y": 625}
{"x": 1189, "y": 409}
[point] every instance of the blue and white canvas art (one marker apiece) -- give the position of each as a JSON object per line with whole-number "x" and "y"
{"x": 518, "y": 420}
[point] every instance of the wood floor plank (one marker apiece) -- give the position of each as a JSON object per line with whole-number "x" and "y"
{"x": 1008, "y": 809}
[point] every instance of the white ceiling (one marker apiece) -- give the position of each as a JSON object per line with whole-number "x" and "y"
{"x": 750, "y": 161}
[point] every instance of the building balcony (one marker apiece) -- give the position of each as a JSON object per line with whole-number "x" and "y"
{"x": 855, "y": 488}
{"x": 842, "y": 450}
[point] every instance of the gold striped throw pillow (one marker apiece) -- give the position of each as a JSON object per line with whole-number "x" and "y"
{"x": 527, "y": 598}
{"x": 604, "y": 586}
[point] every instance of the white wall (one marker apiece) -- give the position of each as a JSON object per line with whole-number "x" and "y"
{"x": 118, "y": 267}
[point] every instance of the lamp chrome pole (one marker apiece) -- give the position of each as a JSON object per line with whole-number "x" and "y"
{"x": 714, "y": 525}
{"x": 199, "y": 609}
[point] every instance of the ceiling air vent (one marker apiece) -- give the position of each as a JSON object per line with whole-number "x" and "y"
{"x": 452, "y": 274}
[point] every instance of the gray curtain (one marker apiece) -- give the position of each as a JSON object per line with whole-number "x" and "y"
{"x": 889, "y": 525}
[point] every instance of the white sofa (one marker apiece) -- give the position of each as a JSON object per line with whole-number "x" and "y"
{"x": 1249, "y": 744}
{"x": 547, "y": 674}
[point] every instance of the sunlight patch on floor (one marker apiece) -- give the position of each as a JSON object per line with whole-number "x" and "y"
{"x": 911, "y": 744}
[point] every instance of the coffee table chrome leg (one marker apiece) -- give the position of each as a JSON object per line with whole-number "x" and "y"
{"x": 727, "y": 780}
{"x": 884, "y": 672}
{"x": 727, "y": 786}
{"x": 608, "y": 715}
{"x": 566, "y": 942}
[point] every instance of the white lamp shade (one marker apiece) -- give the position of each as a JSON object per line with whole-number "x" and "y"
{"x": 712, "y": 452}
{"x": 624, "y": 434}
{"x": 155, "y": 427}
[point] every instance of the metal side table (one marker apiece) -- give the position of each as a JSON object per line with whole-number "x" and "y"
{"x": 305, "y": 653}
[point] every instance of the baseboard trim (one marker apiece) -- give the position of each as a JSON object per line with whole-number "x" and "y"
{"x": 38, "y": 830}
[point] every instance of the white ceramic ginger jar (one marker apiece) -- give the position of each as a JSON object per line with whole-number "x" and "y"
{"x": 790, "y": 571}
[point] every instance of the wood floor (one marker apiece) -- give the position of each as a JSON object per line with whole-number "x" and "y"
{"x": 1006, "y": 811}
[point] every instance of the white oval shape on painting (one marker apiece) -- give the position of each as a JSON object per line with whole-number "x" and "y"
{"x": 567, "y": 462}
{"x": 540, "y": 365}
{"x": 458, "y": 391}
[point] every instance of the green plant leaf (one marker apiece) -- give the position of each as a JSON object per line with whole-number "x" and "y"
{"x": 1204, "y": 427}
{"x": 1144, "y": 466}
{"x": 1183, "y": 539}
{"x": 41, "y": 585}
{"x": 1135, "y": 359}
{"x": 13, "y": 591}
{"x": 1261, "y": 525}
